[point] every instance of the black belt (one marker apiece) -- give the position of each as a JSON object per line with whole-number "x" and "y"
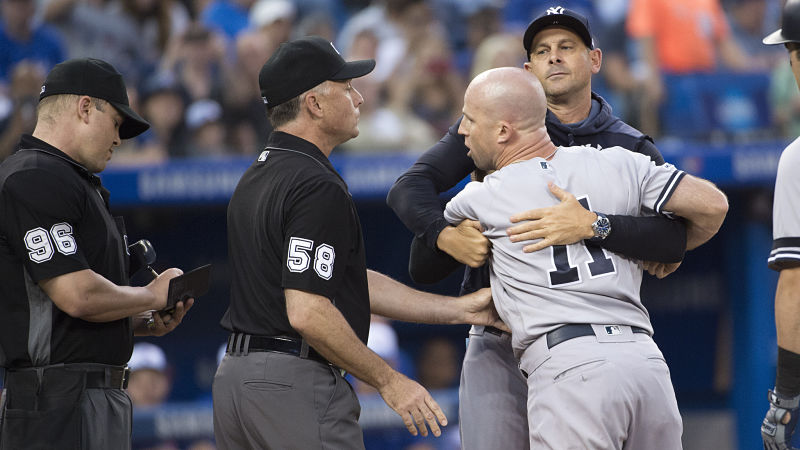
{"x": 493, "y": 330}
{"x": 97, "y": 376}
{"x": 568, "y": 332}
{"x": 240, "y": 344}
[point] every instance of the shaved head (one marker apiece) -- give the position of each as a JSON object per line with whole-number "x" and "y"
{"x": 509, "y": 94}
{"x": 504, "y": 118}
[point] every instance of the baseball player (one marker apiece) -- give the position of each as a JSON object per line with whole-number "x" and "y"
{"x": 563, "y": 56}
{"x": 784, "y": 410}
{"x": 596, "y": 379}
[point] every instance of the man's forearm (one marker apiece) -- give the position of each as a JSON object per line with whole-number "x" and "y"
{"x": 87, "y": 295}
{"x": 322, "y": 325}
{"x": 656, "y": 238}
{"x": 415, "y": 195}
{"x": 427, "y": 265}
{"x": 702, "y": 205}
{"x": 395, "y": 300}
{"x": 787, "y": 309}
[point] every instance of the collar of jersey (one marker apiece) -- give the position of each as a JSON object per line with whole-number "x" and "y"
{"x": 31, "y": 143}
{"x": 279, "y": 140}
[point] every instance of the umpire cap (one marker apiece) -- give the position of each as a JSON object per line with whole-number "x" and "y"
{"x": 301, "y": 64}
{"x": 95, "y": 78}
{"x": 559, "y": 16}
{"x": 790, "y": 25}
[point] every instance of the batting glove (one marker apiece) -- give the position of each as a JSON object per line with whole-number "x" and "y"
{"x": 776, "y": 434}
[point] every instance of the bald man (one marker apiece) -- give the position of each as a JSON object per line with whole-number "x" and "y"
{"x": 595, "y": 377}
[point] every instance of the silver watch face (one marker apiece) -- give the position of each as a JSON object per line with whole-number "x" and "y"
{"x": 601, "y": 227}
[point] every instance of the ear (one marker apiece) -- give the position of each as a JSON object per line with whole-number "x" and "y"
{"x": 312, "y": 104}
{"x": 84, "y": 106}
{"x": 596, "y": 56}
{"x": 504, "y": 132}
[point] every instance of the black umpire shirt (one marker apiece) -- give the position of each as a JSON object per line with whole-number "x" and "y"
{"x": 54, "y": 220}
{"x": 292, "y": 224}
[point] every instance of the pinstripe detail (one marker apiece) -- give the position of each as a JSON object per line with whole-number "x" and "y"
{"x": 40, "y": 323}
{"x": 785, "y": 253}
{"x": 669, "y": 188}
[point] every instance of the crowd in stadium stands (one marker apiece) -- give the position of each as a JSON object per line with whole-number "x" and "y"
{"x": 671, "y": 67}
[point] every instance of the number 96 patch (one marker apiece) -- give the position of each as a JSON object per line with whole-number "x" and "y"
{"x": 40, "y": 244}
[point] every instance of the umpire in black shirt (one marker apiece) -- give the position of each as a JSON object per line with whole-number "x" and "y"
{"x": 67, "y": 316}
{"x": 301, "y": 294}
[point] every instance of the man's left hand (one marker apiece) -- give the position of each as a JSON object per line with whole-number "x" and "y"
{"x": 162, "y": 322}
{"x": 660, "y": 270}
{"x": 480, "y": 310}
{"x": 565, "y": 223}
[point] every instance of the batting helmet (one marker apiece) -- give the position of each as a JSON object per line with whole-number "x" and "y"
{"x": 790, "y": 25}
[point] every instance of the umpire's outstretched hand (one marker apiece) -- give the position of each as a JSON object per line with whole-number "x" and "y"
{"x": 414, "y": 404}
{"x": 480, "y": 310}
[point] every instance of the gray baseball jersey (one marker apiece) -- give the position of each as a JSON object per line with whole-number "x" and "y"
{"x": 579, "y": 283}
{"x": 786, "y": 211}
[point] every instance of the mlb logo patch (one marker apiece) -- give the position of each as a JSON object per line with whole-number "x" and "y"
{"x": 544, "y": 165}
{"x": 263, "y": 156}
{"x": 612, "y": 330}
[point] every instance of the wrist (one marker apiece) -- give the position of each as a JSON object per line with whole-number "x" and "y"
{"x": 601, "y": 228}
{"x": 443, "y": 238}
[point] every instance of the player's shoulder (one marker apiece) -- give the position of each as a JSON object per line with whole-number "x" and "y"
{"x": 31, "y": 171}
{"x": 791, "y": 154}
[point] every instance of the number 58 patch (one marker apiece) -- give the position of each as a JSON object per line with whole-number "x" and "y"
{"x": 299, "y": 260}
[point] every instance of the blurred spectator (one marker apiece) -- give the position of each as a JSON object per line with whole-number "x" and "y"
{"x": 273, "y": 19}
{"x": 387, "y": 122}
{"x": 318, "y": 23}
{"x": 149, "y": 384}
{"x": 162, "y": 103}
{"x": 497, "y": 50}
{"x": 227, "y": 16}
{"x": 18, "y": 109}
{"x": 22, "y": 39}
{"x": 386, "y": 21}
{"x": 483, "y": 19}
{"x": 206, "y": 129}
{"x": 437, "y": 92}
{"x": 156, "y": 22}
{"x": 747, "y": 20}
{"x": 617, "y": 82}
{"x": 785, "y": 101}
{"x": 196, "y": 59}
{"x": 679, "y": 37}
{"x": 90, "y": 28}
{"x": 438, "y": 364}
{"x": 244, "y": 111}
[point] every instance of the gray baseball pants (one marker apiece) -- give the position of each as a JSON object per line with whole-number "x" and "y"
{"x": 601, "y": 392}
{"x": 492, "y": 396}
{"x": 270, "y": 400}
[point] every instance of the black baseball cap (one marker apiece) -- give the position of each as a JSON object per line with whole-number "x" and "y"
{"x": 559, "y": 16}
{"x": 301, "y": 64}
{"x": 790, "y": 25}
{"x": 95, "y": 78}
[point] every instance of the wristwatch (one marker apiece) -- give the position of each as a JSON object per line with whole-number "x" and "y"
{"x": 601, "y": 228}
